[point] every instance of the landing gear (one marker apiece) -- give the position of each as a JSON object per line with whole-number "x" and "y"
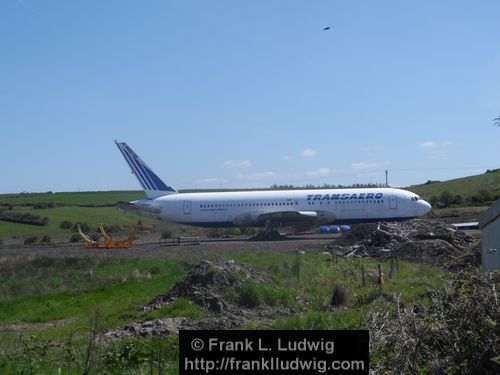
{"x": 270, "y": 233}
{"x": 267, "y": 229}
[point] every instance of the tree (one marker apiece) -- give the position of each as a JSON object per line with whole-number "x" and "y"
{"x": 446, "y": 198}
{"x": 434, "y": 200}
{"x": 458, "y": 199}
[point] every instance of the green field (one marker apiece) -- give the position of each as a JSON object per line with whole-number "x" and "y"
{"x": 91, "y": 216}
{"x": 72, "y": 198}
{"x": 49, "y": 306}
{"x": 95, "y": 208}
{"x": 90, "y": 208}
{"x": 465, "y": 186}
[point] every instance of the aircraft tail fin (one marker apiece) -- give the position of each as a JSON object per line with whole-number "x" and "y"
{"x": 152, "y": 185}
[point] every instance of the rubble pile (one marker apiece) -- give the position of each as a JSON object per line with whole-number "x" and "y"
{"x": 207, "y": 285}
{"x": 415, "y": 240}
{"x": 161, "y": 327}
{"x": 471, "y": 257}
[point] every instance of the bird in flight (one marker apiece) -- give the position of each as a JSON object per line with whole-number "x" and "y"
{"x": 326, "y": 28}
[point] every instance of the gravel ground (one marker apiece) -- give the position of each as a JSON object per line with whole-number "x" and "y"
{"x": 205, "y": 249}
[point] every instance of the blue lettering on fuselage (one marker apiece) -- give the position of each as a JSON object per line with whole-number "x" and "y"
{"x": 328, "y": 197}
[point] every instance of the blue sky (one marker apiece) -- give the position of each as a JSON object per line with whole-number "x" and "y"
{"x": 247, "y": 93}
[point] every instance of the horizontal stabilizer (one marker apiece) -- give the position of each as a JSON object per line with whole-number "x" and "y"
{"x": 139, "y": 210}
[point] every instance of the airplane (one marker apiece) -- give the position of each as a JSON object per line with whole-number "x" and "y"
{"x": 268, "y": 208}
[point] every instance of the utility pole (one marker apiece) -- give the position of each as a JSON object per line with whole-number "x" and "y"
{"x": 386, "y": 178}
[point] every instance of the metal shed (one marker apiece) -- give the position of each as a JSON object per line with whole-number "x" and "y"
{"x": 489, "y": 222}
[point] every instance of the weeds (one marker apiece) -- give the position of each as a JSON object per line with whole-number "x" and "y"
{"x": 457, "y": 334}
{"x": 45, "y": 289}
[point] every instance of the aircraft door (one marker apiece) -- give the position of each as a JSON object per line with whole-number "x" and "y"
{"x": 187, "y": 207}
{"x": 393, "y": 202}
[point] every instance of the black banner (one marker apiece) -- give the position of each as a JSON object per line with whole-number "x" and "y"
{"x": 274, "y": 352}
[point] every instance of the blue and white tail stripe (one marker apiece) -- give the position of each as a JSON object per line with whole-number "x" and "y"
{"x": 150, "y": 182}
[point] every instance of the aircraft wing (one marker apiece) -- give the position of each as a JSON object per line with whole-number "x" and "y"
{"x": 141, "y": 210}
{"x": 296, "y": 217}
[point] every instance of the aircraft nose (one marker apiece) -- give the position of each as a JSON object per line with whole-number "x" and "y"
{"x": 424, "y": 207}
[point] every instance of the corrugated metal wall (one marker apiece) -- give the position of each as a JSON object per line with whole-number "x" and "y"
{"x": 491, "y": 246}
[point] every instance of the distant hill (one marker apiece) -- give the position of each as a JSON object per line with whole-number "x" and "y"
{"x": 479, "y": 189}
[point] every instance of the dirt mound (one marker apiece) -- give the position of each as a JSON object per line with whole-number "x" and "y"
{"x": 415, "y": 240}
{"x": 206, "y": 283}
{"x": 211, "y": 285}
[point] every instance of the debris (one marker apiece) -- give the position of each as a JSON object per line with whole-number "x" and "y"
{"x": 416, "y": 240}
{"x": 207, "y": 286}
{"x": 162, "y": 327}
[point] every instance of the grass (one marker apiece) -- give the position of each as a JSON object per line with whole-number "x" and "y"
{"x": 51, "y": 304}
{"x": 314, "y": 276}
{"x": 72, "y": 198}
{"x": 91, "y": 216}
{"x": 73, "y": 207}
{"x": 465, "y": 186}
{"x": 181, "y": 307}
{"x": 51, "y": 289}
{"x": 77, "y": 208}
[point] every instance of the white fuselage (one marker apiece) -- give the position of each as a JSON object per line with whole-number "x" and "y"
{"x": 325, "y": 206}
{"x": 267, "y": 208}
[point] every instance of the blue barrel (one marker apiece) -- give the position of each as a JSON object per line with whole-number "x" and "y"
{"x": 324, "y": 229}
{"x": 334, "y": 229}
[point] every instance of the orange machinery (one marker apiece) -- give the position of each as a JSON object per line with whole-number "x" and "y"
{"x": 108, "y": 241}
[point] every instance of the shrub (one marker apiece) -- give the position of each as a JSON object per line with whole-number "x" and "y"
{"x": 85, "y": 227}
{"x": 45, "y": 239}
{"x": 66, "y": 224}
{"x": 277, "y": 296}
{"x": 30, "y": 240}
{"x": 24, "y": 218}
{"x": 457, "y": 334}
{"x": 154, "y": 270}
{"x": 250, "y": 295}
{"x": 367, "y": 296}
{"x": 75, "y": 238}
{"x": 446, "y": 199}
{"x": 458, "y": 199}
{"x": 340, "y": 296}
{"x": 166, "y": 234}
{"x": 434, "y": 200}
{"x": 223, "y": 232}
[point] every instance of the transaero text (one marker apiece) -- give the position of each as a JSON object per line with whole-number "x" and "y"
{"x": 322, "y": 197}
